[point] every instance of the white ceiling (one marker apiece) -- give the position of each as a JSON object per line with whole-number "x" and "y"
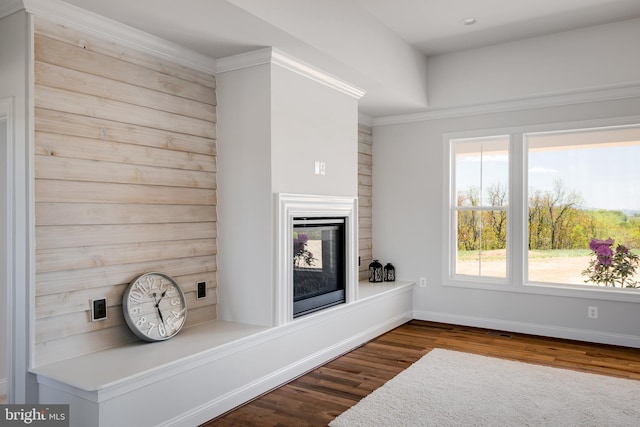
{"x": 359, "y": 41}
{"x": 435, "y": 27}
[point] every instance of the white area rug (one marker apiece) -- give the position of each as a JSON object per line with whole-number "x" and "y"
{"x": 449, "y": 388}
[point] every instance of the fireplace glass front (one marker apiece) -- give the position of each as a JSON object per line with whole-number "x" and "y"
{"x": 318, "y": 264}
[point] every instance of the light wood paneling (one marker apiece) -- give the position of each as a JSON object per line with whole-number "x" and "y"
{"x": 73, "y": 147}
{"x": 125, "y": 183}
{"x": 62, "y": 326}
{"x": 65, "y": 236}
{"x": 102, "y": 87}
{"x": 80, "y": 58}
{"x": 91, "y": 127}
{"x": 60, "y": 168}
{"x": 88, "y": 278}
{"x": 94, "y": 44}
{"x": 109, "y": 109}
{"x": 76, "y": 301}
{"x": 365, "y": 193}
{"x": 104, "y": 213}
{"x": 103, "y": 255}
{"x": 51, "y": 191}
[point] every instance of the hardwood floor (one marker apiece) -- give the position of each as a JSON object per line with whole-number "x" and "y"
{"x": 319, "y": 396}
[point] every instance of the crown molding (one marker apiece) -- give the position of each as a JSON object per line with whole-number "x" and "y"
{"x": 250, "y": 59}
{"x": 293, "y": 64}
{"x": 270, "y": 55}
{"x": 91, "y": 23}
{"x": 604, "y": 93}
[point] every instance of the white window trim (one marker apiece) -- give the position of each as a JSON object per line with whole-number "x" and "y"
{"x": 517, "y": 229}
{"x": 451, "y": 214}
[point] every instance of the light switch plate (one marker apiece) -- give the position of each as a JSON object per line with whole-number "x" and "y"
{"x": 98, "y": 309}
{"x": 201, "y": 290}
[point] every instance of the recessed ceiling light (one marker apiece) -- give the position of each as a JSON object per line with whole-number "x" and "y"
{"x": 469, "y": 21}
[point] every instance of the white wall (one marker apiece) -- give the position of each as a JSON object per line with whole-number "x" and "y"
{"x": 408, "y": 186}
{"x": 245, "y": 224}
{"x": 594, "y": 57}
{"x": 313, "y": 122}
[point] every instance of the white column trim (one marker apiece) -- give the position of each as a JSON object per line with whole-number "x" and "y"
{"x": 19, "y": 272}
{"x": 6, "y": 114}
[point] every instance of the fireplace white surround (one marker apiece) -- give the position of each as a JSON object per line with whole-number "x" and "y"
{"x": 290, "y": 206}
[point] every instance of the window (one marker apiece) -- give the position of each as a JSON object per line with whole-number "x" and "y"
{"x": 582, "y": 185}
{"x": 479, "y": 206}
{"x": 524, "y": 207}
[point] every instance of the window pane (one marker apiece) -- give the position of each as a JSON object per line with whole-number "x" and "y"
{"x": 481, "y": 240}
{"x": 582, "y": 185}
{"x": 482, "y": 171}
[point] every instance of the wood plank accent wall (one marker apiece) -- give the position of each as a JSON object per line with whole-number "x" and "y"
{"x": 125, "y": 183}
{"x": 365, "y": 222}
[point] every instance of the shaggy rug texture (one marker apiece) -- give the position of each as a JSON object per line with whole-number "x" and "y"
{"x": 449, "y": 388}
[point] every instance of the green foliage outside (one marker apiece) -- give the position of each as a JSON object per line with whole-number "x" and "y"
{"x": 556, "y": 221}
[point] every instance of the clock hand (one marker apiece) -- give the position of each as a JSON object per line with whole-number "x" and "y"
{"x": 160, "y": 314}
{"x": 161, "y": 296}
{"x": 157, "y": 307}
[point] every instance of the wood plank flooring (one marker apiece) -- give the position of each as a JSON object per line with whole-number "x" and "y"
{"x": 319, "y": 396}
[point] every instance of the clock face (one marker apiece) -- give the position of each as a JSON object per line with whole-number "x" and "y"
{"x": 154, "y": 307}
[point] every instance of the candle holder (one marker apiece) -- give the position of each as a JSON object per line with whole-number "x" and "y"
{"x": 389, "y": 273}
{"x": 376, "y": 272}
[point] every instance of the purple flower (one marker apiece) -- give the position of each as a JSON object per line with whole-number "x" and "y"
{"x": 622, "y": 249}
{"x": 300, "y": 242}
{"x": 595, "y": 243}
{"x": 604, "y": 253}
{"x": 609, "y": 268}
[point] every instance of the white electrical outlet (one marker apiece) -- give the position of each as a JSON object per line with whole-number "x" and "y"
{"x": 423, "y": 282}
{"x": 592, "y": 312}
{"x": 320, "y": 167}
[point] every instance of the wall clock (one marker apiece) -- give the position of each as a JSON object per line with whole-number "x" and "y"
{"x": 154, "y": 307}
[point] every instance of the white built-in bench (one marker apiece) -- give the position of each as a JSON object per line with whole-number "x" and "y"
{"x": 213, "y": 367}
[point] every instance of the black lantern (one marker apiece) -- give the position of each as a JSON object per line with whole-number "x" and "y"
{"x": 375, "y": 271}
{"x": 389, "y": 272}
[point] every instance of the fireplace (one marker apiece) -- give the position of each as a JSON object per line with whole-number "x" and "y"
{"x": 316, "y": 254}
{"x": 318, "y": 264}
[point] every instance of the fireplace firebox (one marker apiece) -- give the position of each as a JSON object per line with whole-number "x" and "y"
{"x": 319, "y": 273}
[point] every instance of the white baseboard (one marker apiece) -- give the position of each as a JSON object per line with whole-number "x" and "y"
{"x": 531, "y": 328}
